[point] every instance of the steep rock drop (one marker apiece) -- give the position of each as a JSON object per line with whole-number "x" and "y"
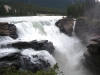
{"x": 92, "y": 55}
{"x": 65, "y": 25}
{"x": 68, "y": 51}
{"x": 88, "y": 31}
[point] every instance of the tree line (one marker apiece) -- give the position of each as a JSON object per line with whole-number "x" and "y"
{"x": 22, "y": 9}
{"x": 76, "y": 10}
{"x": 79, "y": 8}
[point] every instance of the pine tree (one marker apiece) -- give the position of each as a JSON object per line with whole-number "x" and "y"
{"x": 3, "y": 11}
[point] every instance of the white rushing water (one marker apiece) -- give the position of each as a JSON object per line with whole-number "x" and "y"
{"x": 68, "y": 50}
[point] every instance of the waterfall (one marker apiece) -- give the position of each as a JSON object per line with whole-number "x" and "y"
{"x": 68, "y": 50}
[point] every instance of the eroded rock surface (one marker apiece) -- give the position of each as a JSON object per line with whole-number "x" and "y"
{"x": 24, "y": 62}
{"x": 66, "y": 25}
{"x": 92, "y": 55}
{"x": 8, "y": 30}
{"x": 37, "y": 45}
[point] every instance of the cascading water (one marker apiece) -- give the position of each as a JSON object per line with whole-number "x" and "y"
{"x": 68, "y": 50}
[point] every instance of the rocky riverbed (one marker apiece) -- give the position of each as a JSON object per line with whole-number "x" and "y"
{"x": 19, "y": 60}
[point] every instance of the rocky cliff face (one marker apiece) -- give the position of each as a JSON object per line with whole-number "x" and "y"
{"x": 8, "y": 30}
{"x": 92, "y": 55}
{"x": 86, "y": 28}
{"x": 88, "y": 31}
{"x": 66, "y": 25}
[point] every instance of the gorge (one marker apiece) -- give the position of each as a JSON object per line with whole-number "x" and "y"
{"x": 38, "y": 44}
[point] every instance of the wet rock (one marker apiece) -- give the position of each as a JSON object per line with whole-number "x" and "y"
{"x": 37, "y": 45}
{"x": 49, "y": 47}
{"x": 66, "y": 25}
{"x": 24, "y": 62}
{"x": 39, "y": 64}
{"x": 92, "y": 55}
{"x": 33, "y": 62}
{"x": 94, "y": 46}
{"x": 3, "y": 64}
{"x": 10, "y": 57}
{"x": 8, "y": 30}
{"x": 88, "y": 31}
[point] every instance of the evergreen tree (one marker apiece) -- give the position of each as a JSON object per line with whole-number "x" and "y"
{"x": 76, "y": 10}
{"x": 90, "y": 4}
{"x": 3, "y": 11}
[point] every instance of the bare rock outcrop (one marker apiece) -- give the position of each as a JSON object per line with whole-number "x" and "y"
{"x": 24, "y": 62}
{"x": 66, "y": 25}
{"x": 37, "y": 45}
{"x": 92, "y": 55}
{"x": 8, "y": 30}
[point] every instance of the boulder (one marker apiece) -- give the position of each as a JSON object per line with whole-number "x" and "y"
{"x": 65, "y": 25}
{"x": 37, "y": 45}
{"x": 8, "y": 30}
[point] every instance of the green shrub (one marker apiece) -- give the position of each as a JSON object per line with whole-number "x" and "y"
{"x": 11, "y": 70}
